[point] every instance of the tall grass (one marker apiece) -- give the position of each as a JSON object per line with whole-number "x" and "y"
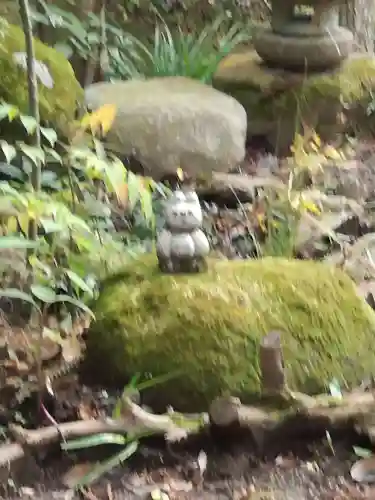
{"x": 194, "y": 55}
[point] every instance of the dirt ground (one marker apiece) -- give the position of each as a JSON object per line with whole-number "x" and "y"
{"x": 305, "y": 472}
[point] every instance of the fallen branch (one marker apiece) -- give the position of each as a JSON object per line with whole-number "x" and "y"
{"x": 280, "y": 409}
{"x": 133, "y": 420}
{"x": 281, "y": 412}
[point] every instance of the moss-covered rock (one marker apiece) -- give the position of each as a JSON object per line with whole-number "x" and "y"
{"x": 57, "y": 104}
{"x": 277, "y": 102}
{"x": 210, "y": 326}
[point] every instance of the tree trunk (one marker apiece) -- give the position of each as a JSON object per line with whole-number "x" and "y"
{"x": 359, "y": 17}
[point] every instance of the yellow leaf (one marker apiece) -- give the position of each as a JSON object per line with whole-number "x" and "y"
{"x": 314, "y": 147}
{"x": 180, "y": 173}
{"x": 311, "y": 207}
{"x": 23, "y": 221}
{"x": 298, "y": 142}
{"x": 316, "y": 139}
{"x": 332, "y": 153}
{"x": 261, "y": 221}
{"x": 100, "y": 120}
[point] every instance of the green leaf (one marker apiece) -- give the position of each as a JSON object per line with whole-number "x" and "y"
{"x": 52, "y": 153}
{"x": 147, "y": 208}
{"x": 36, "y": 155}
{"x": 134, "y": 188}
{"x": 6, "y": 188}
{"x": 17, "y": 242}
{"x": 8, "y": 111}
{"x": 50, "y": 179}
{"x": 44, "y": 293}
{"x": 161, "y": 379}
{"x": 50, "y": 226}
{"x": 11, "y": 171}
{"x": 107, "y": 466}
{"x": 29, "y": 123}
{"x": 131, "y": 387}
{"x": 362, "y": 452}
{"x": 74, "y": 302}
{"x": 14, "y": 293}
{"x": 9, "y": 151}
{"x": 78, "y": 281}
{"x": 91, "y": 441}
{"x": 49, "y": 134}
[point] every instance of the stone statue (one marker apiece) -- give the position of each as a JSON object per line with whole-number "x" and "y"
{"x": 182, "y": 246}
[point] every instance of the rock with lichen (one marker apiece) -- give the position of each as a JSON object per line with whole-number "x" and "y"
{"x": 210, "y": 325}
{"x": 59, "y": 91}
{"x": 278, "y": 102}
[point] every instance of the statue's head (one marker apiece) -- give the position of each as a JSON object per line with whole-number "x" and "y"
{"x": 183, "y": 211}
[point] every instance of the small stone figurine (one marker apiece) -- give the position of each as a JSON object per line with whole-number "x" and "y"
{"x": 182, "y": 246}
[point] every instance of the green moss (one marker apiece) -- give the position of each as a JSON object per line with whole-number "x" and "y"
{"x": 244, "y": 70}
{"x": 57, "y": 104}
{"x": 281, "y": 99}
{"x": 210, "y": 326}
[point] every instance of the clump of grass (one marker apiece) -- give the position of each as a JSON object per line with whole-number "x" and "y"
{"x": 194, "y": 55}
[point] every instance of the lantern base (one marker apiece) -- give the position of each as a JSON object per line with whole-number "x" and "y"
{"x": 304, "y": 53}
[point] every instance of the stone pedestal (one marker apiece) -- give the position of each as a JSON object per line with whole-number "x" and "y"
{"x": 304, "y": 36}
{"x": 298, "y": 53}
{"x": 278, "y": 101}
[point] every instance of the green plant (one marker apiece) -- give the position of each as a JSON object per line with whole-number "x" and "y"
{"x": 195, "y": 55}
{"x": 67, "y": 218}
{"x": 87, "y": 38}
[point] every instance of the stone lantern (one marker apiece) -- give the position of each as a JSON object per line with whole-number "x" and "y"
{"x": 304, "y": 35}
{"x": 181, "y": 246}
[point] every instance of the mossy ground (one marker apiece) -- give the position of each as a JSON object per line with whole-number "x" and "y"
{"x": 278, "y": 102}
{"x": 57, "y": 104}
{"x": 210, "y": 325}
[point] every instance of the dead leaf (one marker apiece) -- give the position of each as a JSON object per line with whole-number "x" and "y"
{"x": 202, "y": 461}
{"x": 74, "y": 474}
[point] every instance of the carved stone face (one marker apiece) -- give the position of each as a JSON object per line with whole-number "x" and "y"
{"x": 183, "y": 212}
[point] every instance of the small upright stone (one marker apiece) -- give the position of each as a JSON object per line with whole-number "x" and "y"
{"x": 181, "y": 246}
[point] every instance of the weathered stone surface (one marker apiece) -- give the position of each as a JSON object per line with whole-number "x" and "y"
{"x": 353, "y": 179}
{"x": 236, "y": 187}
{"x": 359, "y": 258}
{"x": 299, "y": 53}
{"x": 174, "y": 122}
{"x": 277, "y": 102}
{"x": 210, "y": 326}
{"x": 341, "y": 219}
